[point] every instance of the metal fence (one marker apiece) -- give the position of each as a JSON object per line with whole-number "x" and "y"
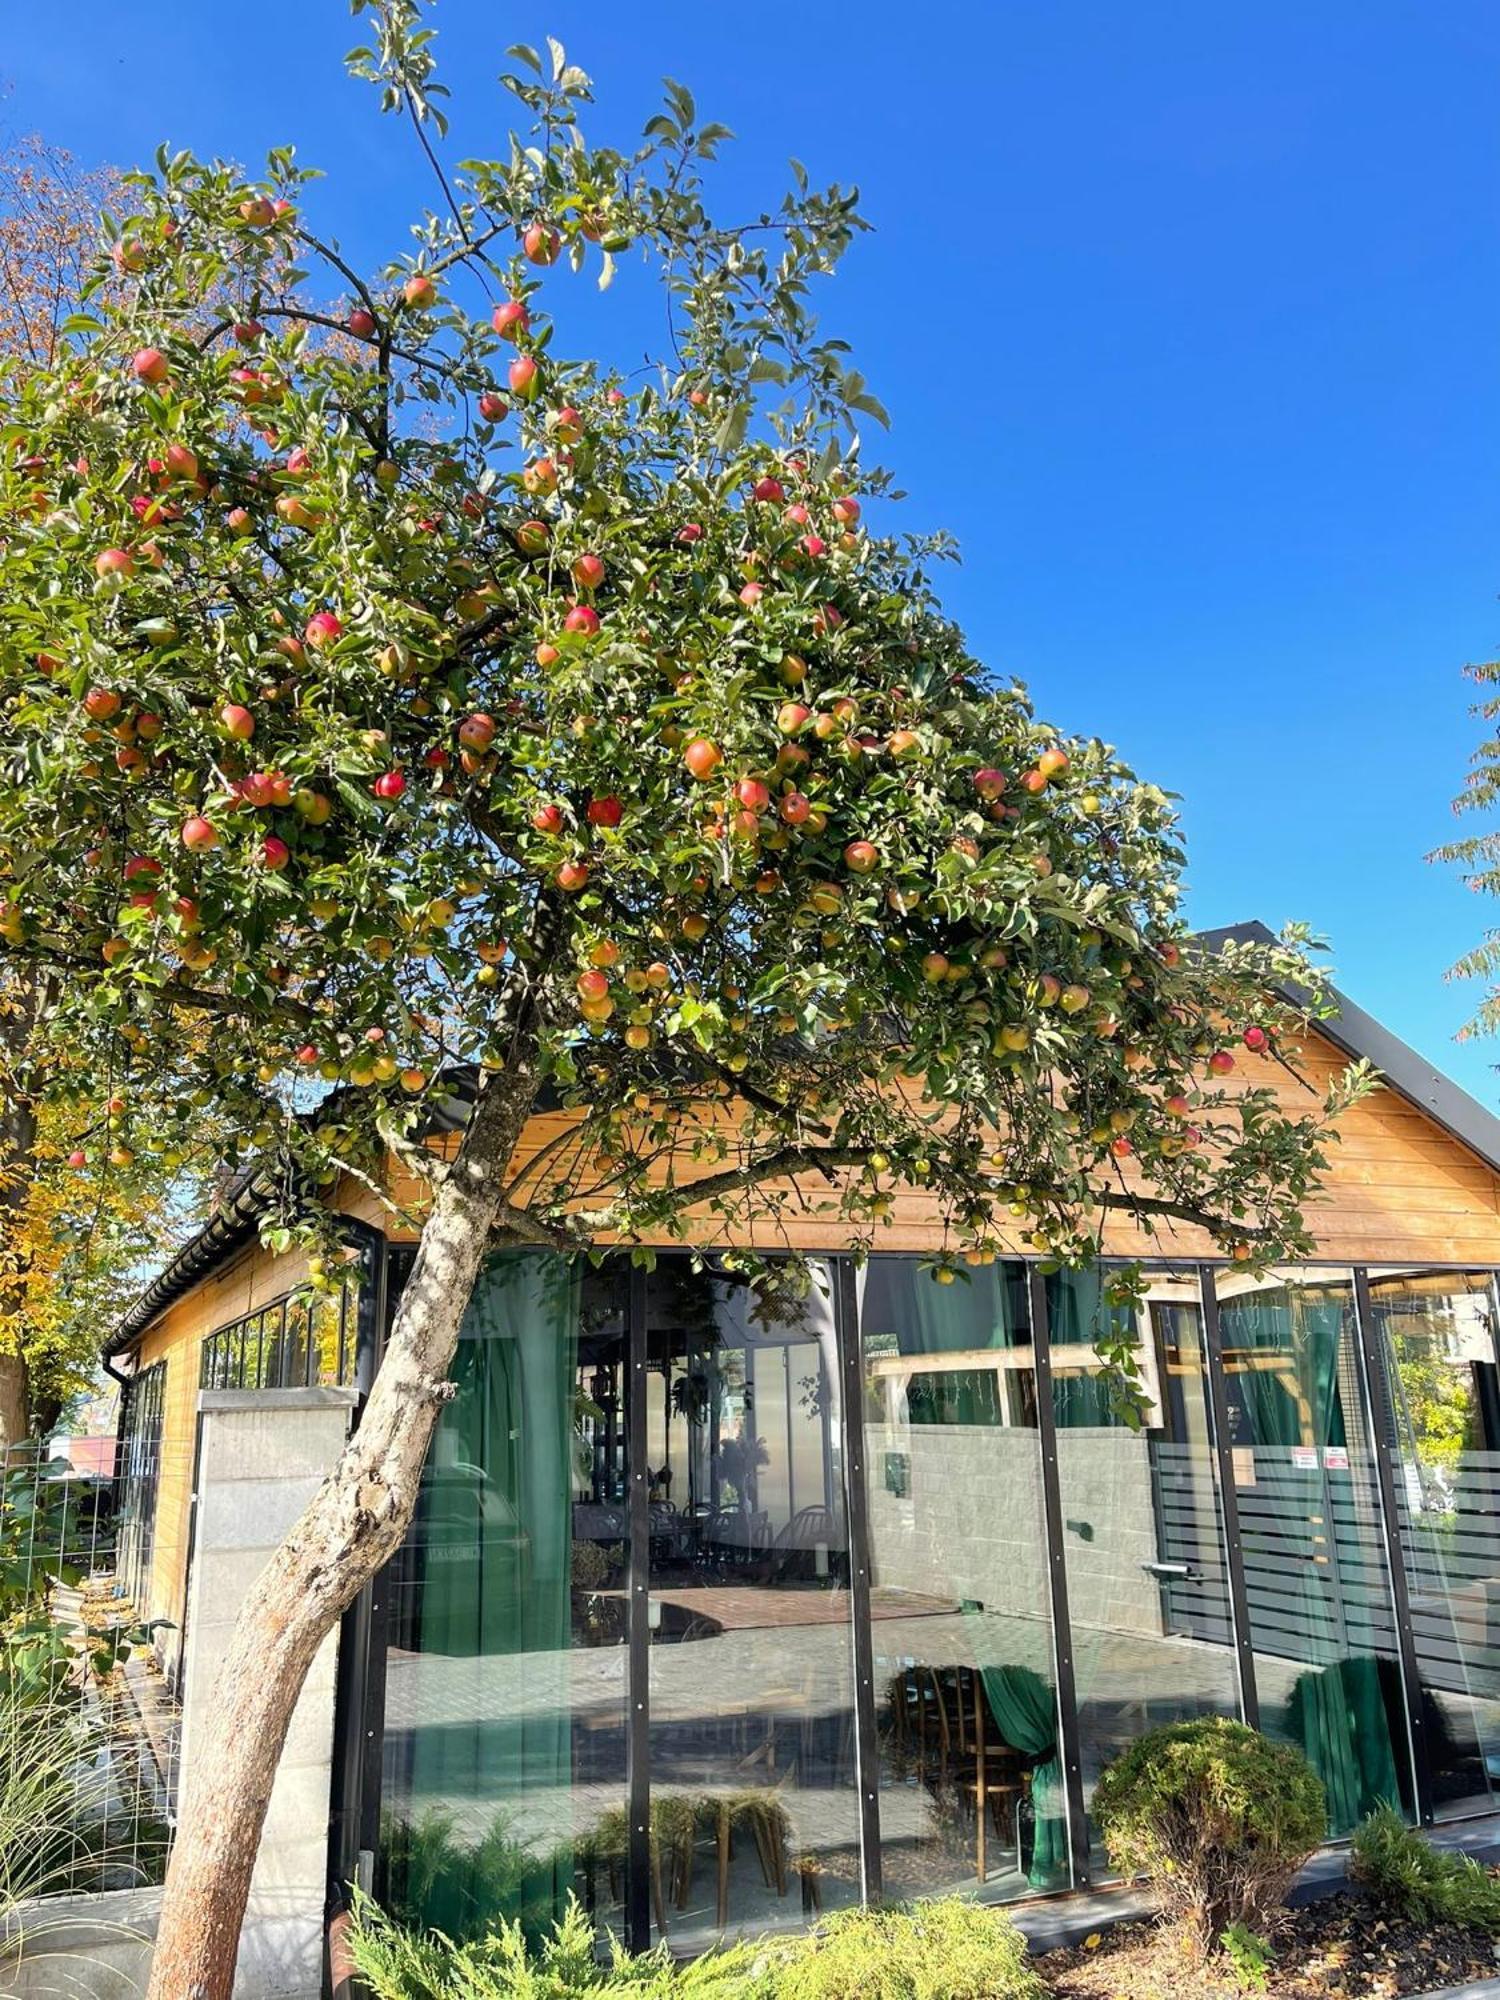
{"x": 89, "y": 1727}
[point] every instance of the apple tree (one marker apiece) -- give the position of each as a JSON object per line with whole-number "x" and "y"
{"x": 393, "y": 702}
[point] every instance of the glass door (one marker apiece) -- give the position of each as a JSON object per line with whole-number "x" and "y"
{"x": 754, "y": 1816}
{"x": 504, "y": 1744}
{"x": 1436, "y": 1334}
{"x": 1142, "y": 1520}
{"x": 971, "y": 1791}
{"x": 1317, "y": 1584}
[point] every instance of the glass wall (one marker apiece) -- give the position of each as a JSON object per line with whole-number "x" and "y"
{"x": 970, "y": 1786}
{"x": 504, "y": 1747}
{"x": 1142, "y": 1529}
{"x": 754, "y": 1808}
{"x": 1317, "y": 1583}
{"x": 1436, "y": 1333}
{"x": 771, "y": 1779}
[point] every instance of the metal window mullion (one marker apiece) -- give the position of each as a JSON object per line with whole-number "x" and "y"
{"x": 1229, "y": 1499}
{"x": 638, "y": 1626}
{"x": 846, "y": 1332}
{"x": 1057, "y": 1577}
{"x": 1380, "y": 1431}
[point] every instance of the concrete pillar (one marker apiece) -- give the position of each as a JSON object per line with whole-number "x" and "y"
{"x": 261, "y": 1456}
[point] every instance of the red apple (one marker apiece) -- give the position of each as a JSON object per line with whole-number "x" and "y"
{"x": 989, "y": 783}
{"x": 274, "y": 853}
{"x": 532, "y": 538}
{"x": 114, "y": 563}
{"x": 149, "y": 364}
{"x": 796, "y": 809}
{"x": 548, "y": 819}
{"x": 570, "y": 876}
{"x": 322, "y": 629}
{"x": 768, "y": 490}
{"x": 845, "y": 510}
{"x": 199, "y": 834}
{"x": 510, "y": 320}
{"x": 1221, "y": 1062}
{"x": 1256, "y": 1038}
{"x": 592, "y": 985}
{"x": 139, "y": 865}
{"x": 77, "y": 1161}
{"x": 524, "y": 377}
{"x": 607, "y": 811}
{"x": 702, "y": 757}
{"x": 362, "y": 323}
{"x": 541, "y": 243}
{"x": 792, "y": 717}
{"x": 99, "y": 704}
{"x": 389, "y": 785}
{"x": 588, "y": 572}
{"x": 582, "y": 621}
{"x": 237, "y": 721}
{"x": 861, "y": 856}
{"x": 753, "y": 794}
{"x": 419, "y": 291}
{"x": 477, "y": 732}
{"x": 690, "y": 532}
{"x": 492, "y": 406}
{"x": 1051, "y": 763}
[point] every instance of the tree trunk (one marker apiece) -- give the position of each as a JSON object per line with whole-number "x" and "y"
{"x": 17, "y": 1168}
{"x": 353, "y": 1525}
{"x": 15, "y": 1403}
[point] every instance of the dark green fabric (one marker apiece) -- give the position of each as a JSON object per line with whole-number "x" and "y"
{"x": 985, "y": 1312}
{"x": 1078, "y": 1316}
{"x": 1338, "y": 1717}
{"x": 491, "y": 1552}
{"x": 1300, "y": 1403}
{"x": 1025, "y": 1712}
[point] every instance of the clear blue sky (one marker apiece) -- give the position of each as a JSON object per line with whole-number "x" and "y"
{"x": 1186, "y": 318}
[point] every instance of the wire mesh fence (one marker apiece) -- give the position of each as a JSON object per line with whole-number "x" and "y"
{"x": 89, "y": 1727}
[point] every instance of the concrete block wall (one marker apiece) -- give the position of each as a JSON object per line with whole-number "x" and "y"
{"x": 262, "y": 1454}
{"x": 970, "y": 1525}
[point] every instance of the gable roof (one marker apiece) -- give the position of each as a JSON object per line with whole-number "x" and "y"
{"x": 236, "y": 1220}
{"x": 1411, "y": 1076}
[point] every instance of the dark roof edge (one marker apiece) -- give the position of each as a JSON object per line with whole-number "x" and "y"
{"x": 1410, "y": 1075}
{"x": 234, "y": 1223}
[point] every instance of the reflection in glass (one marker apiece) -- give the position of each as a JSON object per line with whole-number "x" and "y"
{"x": 1143, "y": 1541}
{"x": 1437, "y": 1339}
{"x": 970, "y": 1783}
{"x": 1316, "y": 1580}
{"x": 754, "y": 1807}
{"x": 504, "y": 1748}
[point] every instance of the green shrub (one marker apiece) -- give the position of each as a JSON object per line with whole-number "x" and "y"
{"x": 947, "y": 1949}
{"x": 1414, "y": 1879}
{"x": 400, "y": 1964}
{"x": 1249, "y": 1956}
{"x": 1217, "y": 1817}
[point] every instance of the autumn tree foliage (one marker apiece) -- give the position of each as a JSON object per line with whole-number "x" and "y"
{"x": 436, "y": 714}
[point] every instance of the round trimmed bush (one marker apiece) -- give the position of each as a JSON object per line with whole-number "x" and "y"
{"x": 1216, "y": 1816}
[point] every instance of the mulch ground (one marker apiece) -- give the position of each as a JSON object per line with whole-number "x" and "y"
{"x": 1338, "y": 1949}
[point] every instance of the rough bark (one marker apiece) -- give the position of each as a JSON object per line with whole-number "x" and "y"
{"x": 17, "y": 1166}
{"x": 350, "y": 1529}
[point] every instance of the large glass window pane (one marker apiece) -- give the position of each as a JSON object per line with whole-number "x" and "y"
{"x": 1437, "y": 1338}
{"x": 504, "y": 1753}
{"x": 971, "y": 1791}
{"x": 754, "y": 1809}
{"x": 1316, "y": 1579}
{"x": 1143, "y": 1540}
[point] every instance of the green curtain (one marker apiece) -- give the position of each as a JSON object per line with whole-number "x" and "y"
{"x": 1305, "y": 1324}
{"x": 1025, "y": 1712}
{"x": 489, "y": 1705}
{"x": 1336, "y": 1712}
{"x": 983, "y": 1309}
{"x": 1077, "y": 1315}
